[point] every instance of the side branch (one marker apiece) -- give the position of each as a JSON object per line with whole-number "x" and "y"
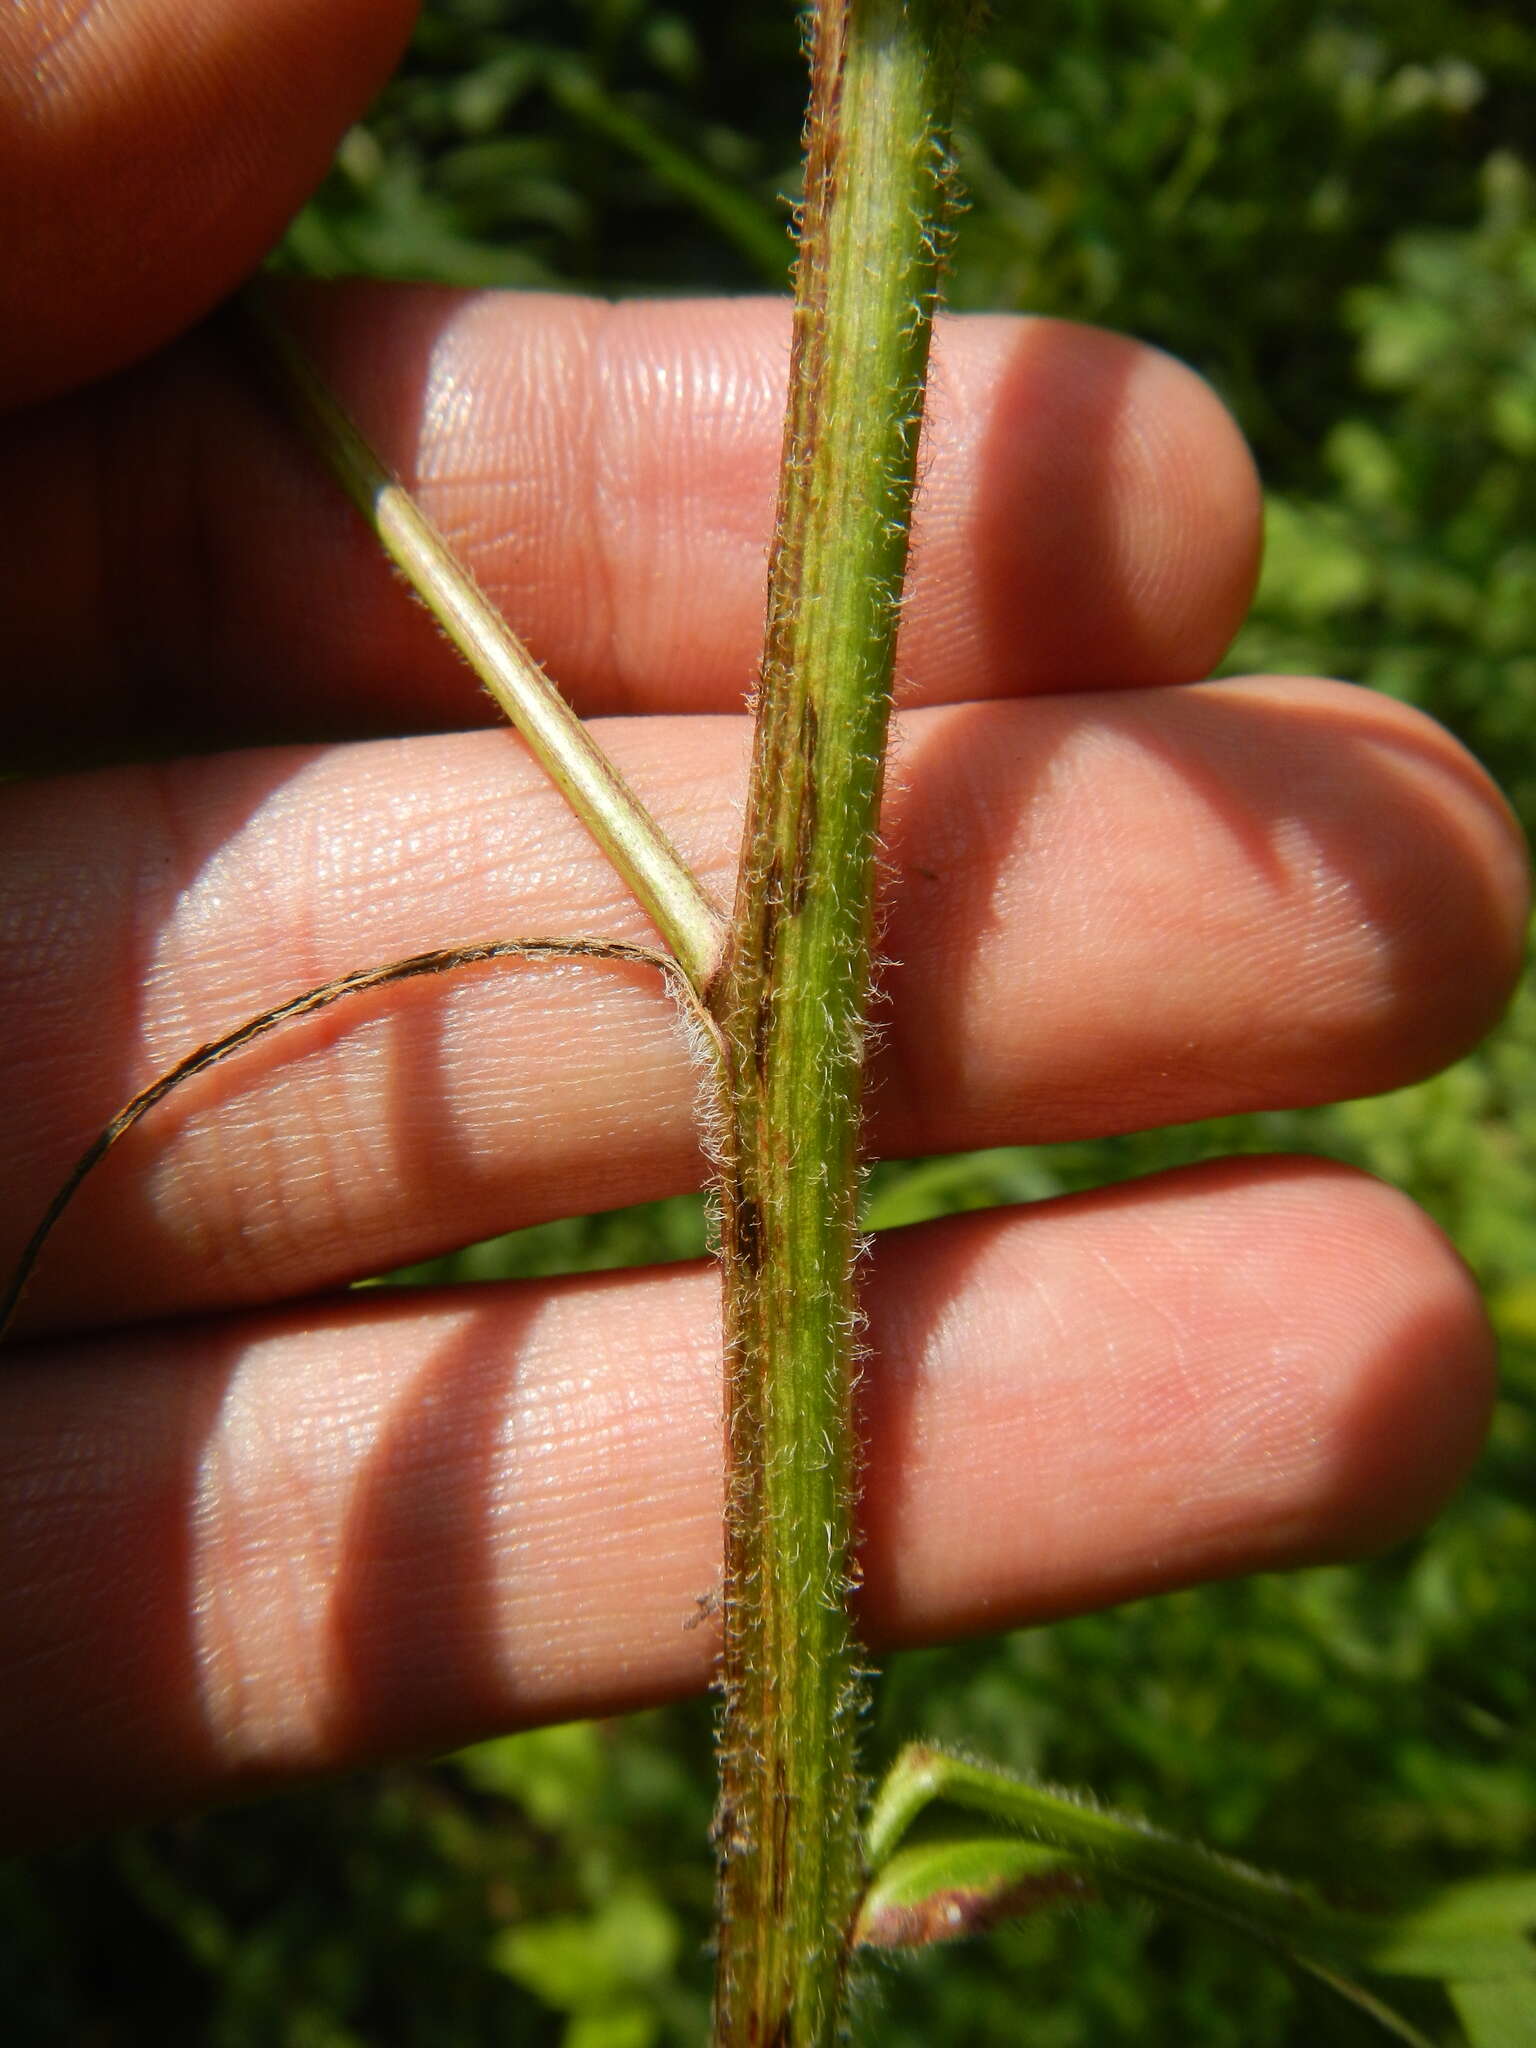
{"x": 664, "y": 884}
{"x": 441, "y": 960}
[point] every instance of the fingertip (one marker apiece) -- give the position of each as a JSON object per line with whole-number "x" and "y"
{"x": 1408, "y": 1420}
{"x": 1191, "y": 530}
{"x": 150, "y": 153}
{"x": 1092, "y": 518}
{"x": 1460, "y": 866}
{"x": 1247, "y": 1366}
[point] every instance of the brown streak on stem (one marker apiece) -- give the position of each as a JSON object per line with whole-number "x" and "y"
{"x": 747, "y": 1233}
{"x": 805, "y": 833}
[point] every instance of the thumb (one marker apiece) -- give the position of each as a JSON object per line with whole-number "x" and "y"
{"x": 150, "y": 153}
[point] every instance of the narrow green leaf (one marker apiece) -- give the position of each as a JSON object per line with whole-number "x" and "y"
{"x": 756, "y": 232}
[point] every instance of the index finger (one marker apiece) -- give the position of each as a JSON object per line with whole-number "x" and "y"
{"x": 1088, "y": 518}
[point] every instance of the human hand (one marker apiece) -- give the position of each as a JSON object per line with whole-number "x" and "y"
{"x": 252, "y": 1534}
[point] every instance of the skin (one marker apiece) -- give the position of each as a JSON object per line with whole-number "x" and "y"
{"x": 255, "y": 1528}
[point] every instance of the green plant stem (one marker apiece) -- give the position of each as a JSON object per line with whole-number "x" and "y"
{"x": 1126, "y": 1851}
{"x": 665, "y": 885}
{"x": 1462, "y": 1931}
{"x": 963, "y": 1882}
{"x": 791, "y": 1003}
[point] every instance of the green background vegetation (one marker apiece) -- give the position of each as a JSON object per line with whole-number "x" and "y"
{"x": 1331, "y": 211}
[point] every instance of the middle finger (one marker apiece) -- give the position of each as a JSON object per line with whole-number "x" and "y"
{"x": 1108, "y": 912}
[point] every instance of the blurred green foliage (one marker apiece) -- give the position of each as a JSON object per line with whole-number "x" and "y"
{"x": 1330, "y": 210}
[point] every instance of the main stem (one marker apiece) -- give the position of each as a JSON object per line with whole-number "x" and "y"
{"x": 791, "y": 1002}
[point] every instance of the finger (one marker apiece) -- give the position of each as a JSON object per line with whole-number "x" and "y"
{"x": 1108, "y": 913}
{"x": 245, "y": 1552}
{"x": 151, "y": 152}
{"x": 1089, "y": 518}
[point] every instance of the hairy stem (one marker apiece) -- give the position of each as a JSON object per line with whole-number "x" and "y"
{"x": 791, "y": 1002}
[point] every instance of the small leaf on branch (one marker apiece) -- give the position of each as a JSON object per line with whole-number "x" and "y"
{"x": 960, "y": 1885}
{"x": 1477, "y": 1938}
